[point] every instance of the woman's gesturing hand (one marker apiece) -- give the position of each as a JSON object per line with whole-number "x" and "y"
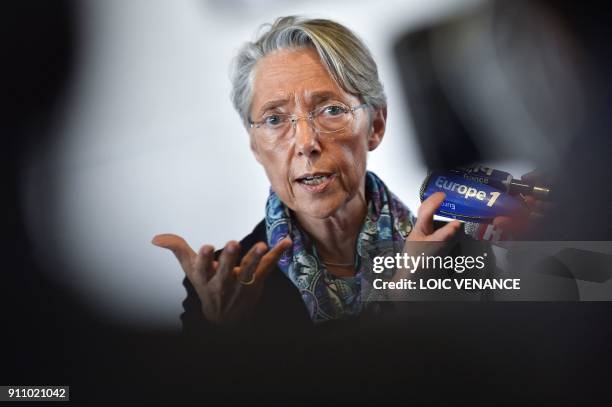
{"x": 228, "y": 291}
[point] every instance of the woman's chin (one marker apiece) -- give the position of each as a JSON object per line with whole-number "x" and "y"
{"x": 320, "y": 209}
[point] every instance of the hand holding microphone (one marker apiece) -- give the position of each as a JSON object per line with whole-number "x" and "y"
{"x": 485, "y": 195}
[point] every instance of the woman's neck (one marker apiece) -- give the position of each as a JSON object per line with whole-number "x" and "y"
{"x": 335, "y": 237}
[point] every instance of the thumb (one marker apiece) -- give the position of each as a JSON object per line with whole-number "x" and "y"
{"x": 183, "y": 252}
{"x": 424, "y": 223}
{"x": 268, "y": 261}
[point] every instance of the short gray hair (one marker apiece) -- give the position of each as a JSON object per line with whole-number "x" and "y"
{"x": 345, "y": 56}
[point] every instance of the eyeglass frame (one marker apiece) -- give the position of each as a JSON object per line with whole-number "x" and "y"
{"x": 310, "y": 116}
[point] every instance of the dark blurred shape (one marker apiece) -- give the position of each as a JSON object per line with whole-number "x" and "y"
{"x": 517, "y": 79}
{"x": 38, "y": 43}
{"x": 444, "y": 140}
{"x": 586, "y": 265}
{"x": 499, "y": 82}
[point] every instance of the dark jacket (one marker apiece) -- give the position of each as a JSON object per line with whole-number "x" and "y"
{"x": 281, "y": 306}
{"x": 280, "y": 309}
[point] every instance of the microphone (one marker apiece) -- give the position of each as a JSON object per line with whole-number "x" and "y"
{"x": 479, "y": 194}
{"x": 503, "y": 181}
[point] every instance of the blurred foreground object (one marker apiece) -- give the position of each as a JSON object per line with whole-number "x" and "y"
{"x": 521, "y": 80}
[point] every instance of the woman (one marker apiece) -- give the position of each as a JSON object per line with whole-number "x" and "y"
{"x": 310, "y": 98}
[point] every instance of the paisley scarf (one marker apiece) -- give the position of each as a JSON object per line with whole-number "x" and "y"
{"x": 386, "y": 225}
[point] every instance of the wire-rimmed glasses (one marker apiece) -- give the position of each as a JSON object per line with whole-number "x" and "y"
{"x": 330, "y": 118}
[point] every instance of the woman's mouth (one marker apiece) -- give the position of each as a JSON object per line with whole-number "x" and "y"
{"x": 316, "y": 182}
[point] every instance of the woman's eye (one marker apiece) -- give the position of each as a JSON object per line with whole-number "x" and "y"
{"x": 334, "y": 110}
{"x": 272, "y": 120}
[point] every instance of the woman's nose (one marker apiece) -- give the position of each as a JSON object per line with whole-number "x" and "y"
{"x": 306, "y": 139}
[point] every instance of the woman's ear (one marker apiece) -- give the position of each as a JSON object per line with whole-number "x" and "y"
{"x": 377, "y": 127}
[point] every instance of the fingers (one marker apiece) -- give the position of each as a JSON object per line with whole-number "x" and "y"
{"x": 227, "y": 261}
{"x": 502, "y": 221}
{"x": 204, "y": 264}
{"x": 271, "y": 258}
{"x": 183, "y": 252}
{"x": 445, "y": 233}
{"x": 524, "y": 219}
{"x": 249, "y": 262}
{"x": 536, "y": 205}
{"x": 424, "y": 223}
{"x": 517, "y": 225}
{"x": 532, "y": 176}
{"x": 537, "y": 177}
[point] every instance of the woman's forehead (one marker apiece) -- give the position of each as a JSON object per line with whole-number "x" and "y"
{"x": 293, "y": 76}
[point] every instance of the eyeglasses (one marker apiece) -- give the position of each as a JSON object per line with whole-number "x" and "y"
{"x": 325, "y": 119}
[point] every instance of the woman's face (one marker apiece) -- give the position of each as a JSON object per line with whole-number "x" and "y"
{"x": 296, "y": 82}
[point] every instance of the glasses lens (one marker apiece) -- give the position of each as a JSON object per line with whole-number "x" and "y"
{"x": 275, "y": 124}
{"x": 332, "y": 118}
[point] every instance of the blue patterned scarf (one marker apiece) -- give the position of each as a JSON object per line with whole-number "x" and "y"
{"x": 387, "y": 223}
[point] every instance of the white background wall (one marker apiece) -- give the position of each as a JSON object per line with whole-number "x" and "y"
{"x": 149, "y": 143}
